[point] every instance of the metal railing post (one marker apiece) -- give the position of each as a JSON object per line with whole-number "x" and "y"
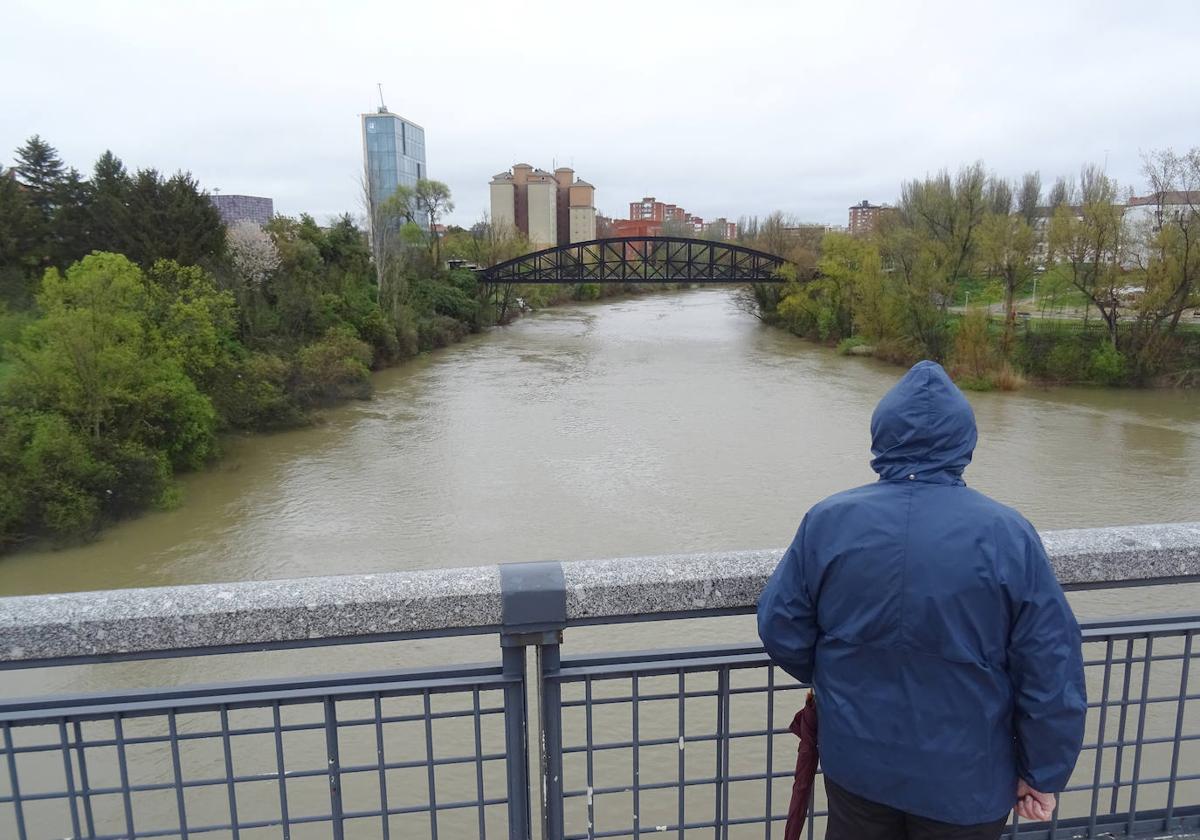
{"x": 550, "y": 693}
{"x": 533, "y": 613}
{"x": 516, "y": 761}
{"x": 334, "y": 765}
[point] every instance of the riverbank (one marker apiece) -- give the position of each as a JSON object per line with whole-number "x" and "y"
{"x": 1044, "y": 354}
{"x": 245, "y": 395}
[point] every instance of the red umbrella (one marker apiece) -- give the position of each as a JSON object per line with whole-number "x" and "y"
{"x": 804, "y": 727}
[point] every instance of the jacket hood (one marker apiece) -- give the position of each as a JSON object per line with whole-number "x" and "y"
{"x": 923, "y": 428}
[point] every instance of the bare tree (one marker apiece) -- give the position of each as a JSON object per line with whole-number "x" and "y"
{"x": 385, "y": 218}
{"x": 1090, "y": 239}
{"x": 493, "y": 242}
{"x": 1062, "y": 192}
{"x": 1029, "y": 197}
{"x": 998, "y": 196}
{"x": 1173, "y": 238}
{"x": 947, "y": 213}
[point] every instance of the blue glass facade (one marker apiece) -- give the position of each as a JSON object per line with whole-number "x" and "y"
{"x": 395, "y": 153}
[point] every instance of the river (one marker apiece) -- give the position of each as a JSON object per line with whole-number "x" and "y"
{"x": 666, "y": 423}
{"x": 658, "y": 424}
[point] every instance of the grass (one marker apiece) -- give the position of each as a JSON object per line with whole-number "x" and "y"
{"x": 979, "y": 290}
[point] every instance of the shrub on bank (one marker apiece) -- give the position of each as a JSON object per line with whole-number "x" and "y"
{"x": 899, "y": 351}
{"x": 1107, "y": 366}
{"x": 333, "y": 369}
{"x": 439, "y": 331}
{"x": 847, "y": 345}
{"x": 253, "y": 394}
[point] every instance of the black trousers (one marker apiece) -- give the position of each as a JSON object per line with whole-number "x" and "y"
{"x": 854, "y": 818}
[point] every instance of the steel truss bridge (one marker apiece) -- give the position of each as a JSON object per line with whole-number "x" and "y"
{"x": 639, "y": 259}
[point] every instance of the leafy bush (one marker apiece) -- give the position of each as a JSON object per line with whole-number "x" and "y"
{"x": 898, "y": 351}
{"x": 1067, "y": 361}
{"x": 335, "y": 368}
{"x": 138, "y": 478}
{"x": 372, "y": 327}
{"x": 796, "y": 314}
{"x": 53, "y": 484}
{"x": 440, "y": 331}
{"x": 168, "y": 415}
{"x": 408, "y": 336}
{"x": 252, "y": 394}
{"x": 1107, "y": 365}
{"x": 974, "y": 355}
{"x": 847, "y": 344}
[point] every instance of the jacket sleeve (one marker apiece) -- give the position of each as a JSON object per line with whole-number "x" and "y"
{"x": 787, "y": 618}
{"x": 1046, "y": 667}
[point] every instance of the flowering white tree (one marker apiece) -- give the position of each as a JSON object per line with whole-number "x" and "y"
{"x": 252, "y": 252}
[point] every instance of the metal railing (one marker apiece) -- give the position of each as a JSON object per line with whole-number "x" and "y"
{"x": 682, "y": 743}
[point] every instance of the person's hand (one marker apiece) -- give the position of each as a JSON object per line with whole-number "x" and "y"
{"x": 1033, "y": 804}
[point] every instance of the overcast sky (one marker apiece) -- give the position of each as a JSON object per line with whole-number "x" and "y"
{"x": 726, "y": 108}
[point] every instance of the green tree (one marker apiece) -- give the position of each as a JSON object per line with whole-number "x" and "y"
{"x": 919, "y": 284}
{"x": 77, "y": 360}
{"x": 42, "y": 171}
{"x": 192, "y": 321}
{"x": 71, "y": 230}
{"x": 108, "y": 206}
{"x": 20, "y": 223}
{"x": 54, "y": 485}
{"x": 432, "y": 200}
{"x": 92, "y": 360}
{"x": 174, "y": 220}
{"x": 1009, "y": 248}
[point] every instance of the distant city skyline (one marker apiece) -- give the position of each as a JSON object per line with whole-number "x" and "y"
{"x": 808, "y": 124}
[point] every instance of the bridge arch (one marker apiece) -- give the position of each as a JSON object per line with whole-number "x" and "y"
{"x": 640, "y": 259}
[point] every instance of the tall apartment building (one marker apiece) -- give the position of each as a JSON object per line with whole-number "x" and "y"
{"x": 864, "y": 217}
{"x": 549, "y": 208}
{"x": 649, "y": 210}
{"x": 393, "y": 154}
{"x": 660, "y": 215}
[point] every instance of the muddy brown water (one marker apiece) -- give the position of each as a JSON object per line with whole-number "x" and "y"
{"x": 660, "y": 424}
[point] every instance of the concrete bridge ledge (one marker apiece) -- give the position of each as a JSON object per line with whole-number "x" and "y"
{"x": 210, "y": 617}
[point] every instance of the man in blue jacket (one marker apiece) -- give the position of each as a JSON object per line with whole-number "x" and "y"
{"x": 945, "y": 659}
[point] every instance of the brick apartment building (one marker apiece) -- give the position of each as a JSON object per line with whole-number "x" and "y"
{"x": 864, "y": 217}
{"x": 653, "y": 216}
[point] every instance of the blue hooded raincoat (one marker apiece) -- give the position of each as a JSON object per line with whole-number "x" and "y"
{"x": 945, "y": 659}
